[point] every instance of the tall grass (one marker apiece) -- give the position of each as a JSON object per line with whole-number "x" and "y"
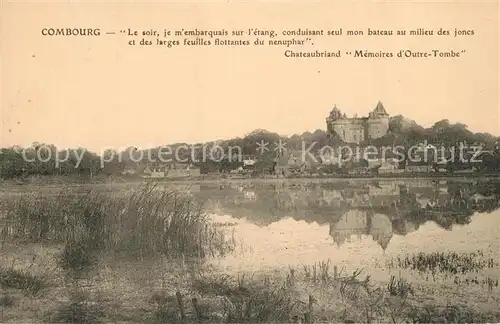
{"x": 77, "y": 310}
{"x": 443, "y": 262}
{"x": 23, "y": 280}
{"x": 399, "y": 287}
{"x": 240, "y": 300}
{"x": 145, "y": 221}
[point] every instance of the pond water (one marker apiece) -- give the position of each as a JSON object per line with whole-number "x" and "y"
{"x": 356, "y": 224}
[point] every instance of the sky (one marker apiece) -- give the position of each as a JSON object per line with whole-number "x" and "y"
{"x": 99, "y": 92}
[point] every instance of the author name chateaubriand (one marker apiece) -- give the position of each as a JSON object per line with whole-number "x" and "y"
{"x": 290, "y": 53}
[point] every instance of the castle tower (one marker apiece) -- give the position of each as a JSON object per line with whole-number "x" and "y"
{"x": 335, "y": 115}
{"x": 380, "y": 111}
{"x": 378, "y": 122}
{"x": 338, "y": 124}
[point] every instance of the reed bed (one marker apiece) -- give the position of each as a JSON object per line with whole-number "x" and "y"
{"x": 21, "y": 279}
{"x": 399, "y": 287}
{"x": 78, "y": 310}
{"x": 296, "y": 298}
{"x": 143, "y": 222}
{"x": 444, "y": 262}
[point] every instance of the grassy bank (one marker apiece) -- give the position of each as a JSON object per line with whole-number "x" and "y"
{"x": 53, "y": 241}
{"x": 173, "y": 292}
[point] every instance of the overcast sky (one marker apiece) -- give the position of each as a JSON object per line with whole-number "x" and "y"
{"x": 99, "y": 92}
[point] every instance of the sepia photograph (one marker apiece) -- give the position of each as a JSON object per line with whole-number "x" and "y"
{"x": 249, "y": 161}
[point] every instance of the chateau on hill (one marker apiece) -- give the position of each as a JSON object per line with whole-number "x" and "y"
{"x": 358, "y": 129}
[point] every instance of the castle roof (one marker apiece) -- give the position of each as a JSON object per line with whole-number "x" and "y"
{"x": 379, "y": 109}
{"x": 335, "y": 114}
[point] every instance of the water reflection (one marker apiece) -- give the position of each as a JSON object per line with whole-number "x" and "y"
{"x": 360, "y": 222}
{"x": 357, "y": 209}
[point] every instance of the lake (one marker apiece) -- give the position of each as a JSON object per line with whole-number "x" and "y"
{"x": 356, "y": 224}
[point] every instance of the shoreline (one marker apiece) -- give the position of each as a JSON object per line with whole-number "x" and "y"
{"x": 54, "y": 181}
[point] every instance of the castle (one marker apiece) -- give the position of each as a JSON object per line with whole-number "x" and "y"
{"x": 358, "y": 129}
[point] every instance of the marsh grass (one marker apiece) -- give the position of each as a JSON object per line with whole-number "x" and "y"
{"x": 78, "y": 310}
{"x": 347, "y": 299}
{"x": 448, "y": 314}
{"x": 209, "y": 296}
{"x": 319, "y": 271}
{"x": 443, "y": 262}
{"x": 90, "y": 224}
{"x": 76, "y": 256}
{"x": 147, "y": 221}
{"x": 245, "y": 300}
{"x": 21, "y": 279}
{"x": 165, "y": 308}
{"x": 6, "y": 300}
{"x": 399, "y": 287}
{"x": 297, "y": 297}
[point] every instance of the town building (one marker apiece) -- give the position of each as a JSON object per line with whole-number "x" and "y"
{"x": 388, "y": 167}
{"x": 130, "y": 170}
{"x": 358, "y": 129}
{"x": 419, "y": 168}
{"x": 291, "y": 162}
{"x": 154, "y": 172}
{"x": 248, "y": 164}
{"x": 175, "y": 170}
{"x": 181, "y": 170}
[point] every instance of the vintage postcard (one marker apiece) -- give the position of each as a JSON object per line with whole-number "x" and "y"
{"x": 249, "y": 161}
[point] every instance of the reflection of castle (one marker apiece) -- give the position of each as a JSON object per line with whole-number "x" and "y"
{"x": 376, "y": 208}
{"x": 384, "y": 189}
{"x": 356, "y": 130}
{"x": 358, "y": 222}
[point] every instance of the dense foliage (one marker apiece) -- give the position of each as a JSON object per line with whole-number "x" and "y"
{"x": 43, "y": 159}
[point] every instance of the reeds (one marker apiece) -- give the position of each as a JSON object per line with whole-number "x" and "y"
{"x": 449, "y": 314}
{"x": 443, "y": 262}
{"x": 399, "y": 287}
{"x": 20, "y": 279}
{"x": 77, "y": 310}
{"x": 6, "y": 300}
{"x": 319, "y": 272}
{"x": 23, "y": 279}
{"x": 350, "y": 285}
{"x": 146, "y": 221}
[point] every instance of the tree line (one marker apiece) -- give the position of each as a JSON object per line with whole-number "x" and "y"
{"x": 46, "y": 159}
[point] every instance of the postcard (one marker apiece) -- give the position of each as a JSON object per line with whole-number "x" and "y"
{"x": 249, "y": 161}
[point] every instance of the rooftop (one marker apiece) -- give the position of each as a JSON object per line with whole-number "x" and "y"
{"x": 336, "y": 114}
{"x": 380, "y": 110}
